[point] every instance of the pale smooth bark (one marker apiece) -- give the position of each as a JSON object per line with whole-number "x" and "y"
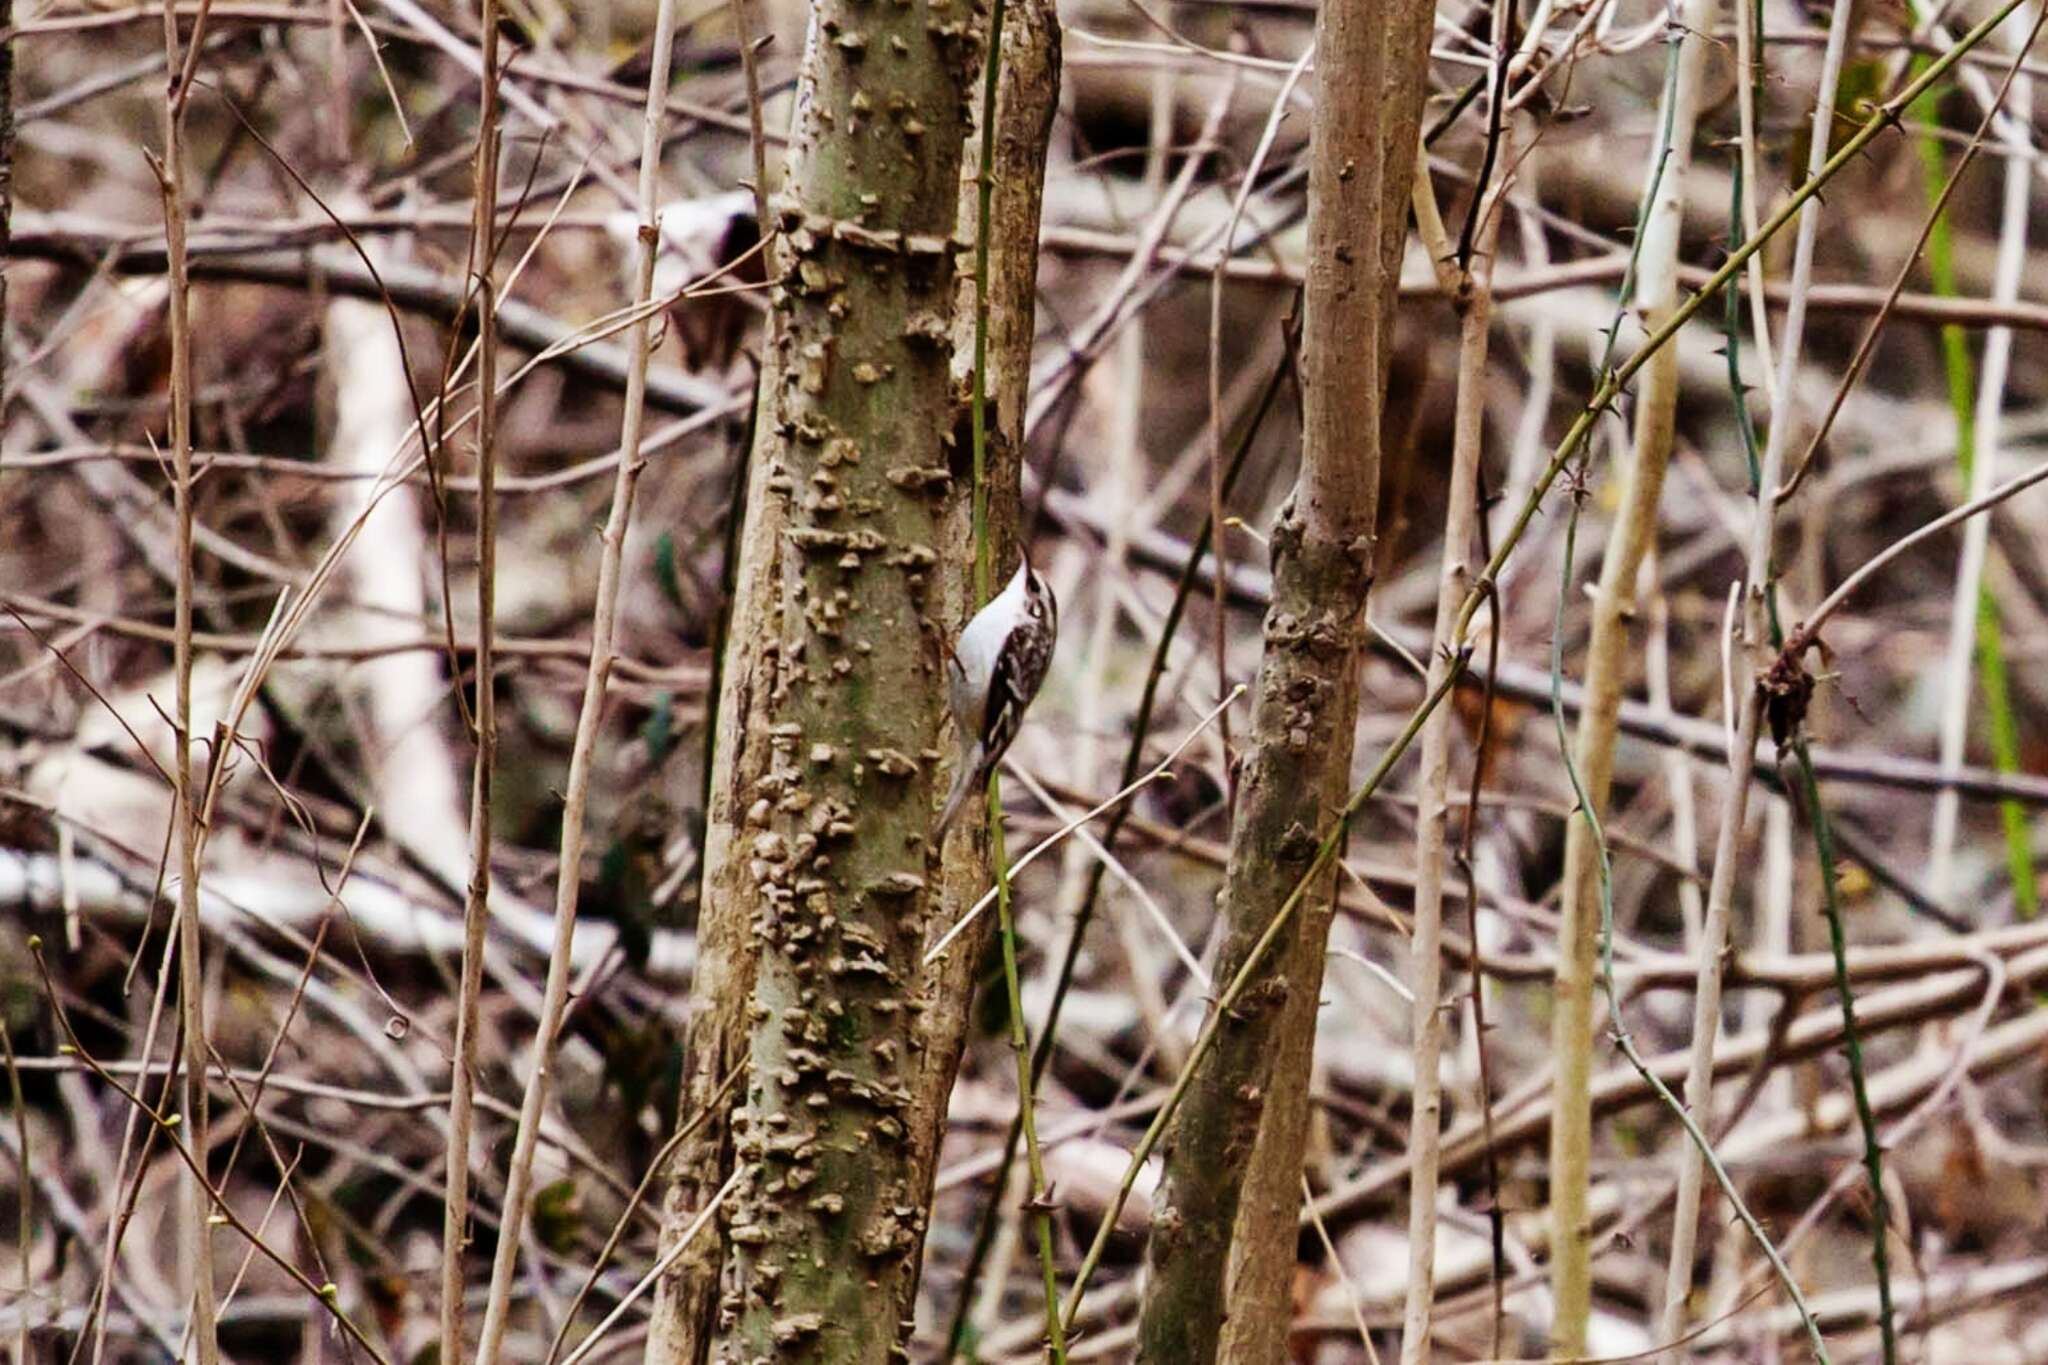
{"x": 1608, "y": 661}
{"x": 1474, "y": 299}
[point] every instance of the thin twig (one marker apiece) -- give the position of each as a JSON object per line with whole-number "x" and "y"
{"x": 1425, "y": 955}
{"x": 1163, "y": 769}
{"x": 660, "y": 1268}
{"x": 576, "y": 794}
{"x": 1807, "y": 634}
{"x": 170, "y": 169}
{"x": 484, "y": 714}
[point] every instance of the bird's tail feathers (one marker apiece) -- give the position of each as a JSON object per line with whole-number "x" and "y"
{"x": 964, "y": 783}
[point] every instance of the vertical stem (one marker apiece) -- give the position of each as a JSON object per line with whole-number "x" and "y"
{"x": 476, "y": 910}
{"x": 555, "y": 994}
{"x": 1609, "y": 659}
{"x": 1973, "y": 617}
{"x": 999, "y": 859}
{"x": 1474, "y": 300}
{"x": 1039, "y": 1205}
{"x": 1852, "y": 1047}
{"x": 1238, "y": 1144}
{"x": 1734, "y": 811}
{"x": 191, "y": 973}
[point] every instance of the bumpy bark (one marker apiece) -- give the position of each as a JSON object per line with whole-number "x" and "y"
{"x": 819, "y": 875}
{"x": 1250, "y": 1092}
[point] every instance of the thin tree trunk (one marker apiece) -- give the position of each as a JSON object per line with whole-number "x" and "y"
{"x": 818, "y": 868}
{"x": 1472, "y": 294}
{"x": 1608, "y": 662}
{"x": 1229, "y": 1138}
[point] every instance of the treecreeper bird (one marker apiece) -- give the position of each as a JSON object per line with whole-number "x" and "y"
{"x": 996, "y": 670}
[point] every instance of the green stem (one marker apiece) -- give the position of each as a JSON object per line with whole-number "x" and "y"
{"x": 1141, "y": 729}
{"x": 1852, "y": 1044}
{"x": 1824, "y": 844}
{"x": 1962, "y": 385}
{"x": 1020, "y": 1042}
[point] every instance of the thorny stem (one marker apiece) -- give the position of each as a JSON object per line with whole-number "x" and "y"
{"x": 1040, "y": 1205}
{"x": 519, "y": 1178}
{"x": 1968, "y": 597}
{"x": 476, "y": 909}
{"x": 1852, "y": 1046}
{"x": 1806, "y": 635}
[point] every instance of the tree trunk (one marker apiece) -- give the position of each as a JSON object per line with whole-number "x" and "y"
{"x": 1229, "y": 1139}
{"x": 819, "y": 873}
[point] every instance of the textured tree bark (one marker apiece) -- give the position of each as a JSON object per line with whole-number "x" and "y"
{"x": 819, "y": 878}
{"x": 1236, "y": 1148}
